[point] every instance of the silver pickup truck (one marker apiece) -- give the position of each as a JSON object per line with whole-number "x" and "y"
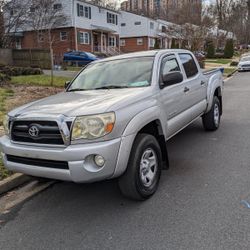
{"x": 113, "y": 120}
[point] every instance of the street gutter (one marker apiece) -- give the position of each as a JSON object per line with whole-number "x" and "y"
{"x": 13, "y": 181}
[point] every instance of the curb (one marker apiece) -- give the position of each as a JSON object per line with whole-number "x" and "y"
{"x": 13, "y": 181}
{"x": 231, "y": 74}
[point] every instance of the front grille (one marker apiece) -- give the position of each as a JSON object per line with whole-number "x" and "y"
{"x": 49, "y": 132}
{"x": 246, "y": 66}
{"x": 38, "y": 162}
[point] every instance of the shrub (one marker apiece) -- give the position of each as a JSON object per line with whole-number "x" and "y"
{"x": 4, "y": 78}
{"x": 210, "y": 50}
{"x": 18, "y": 71}
{"x": 229, "y": 49}
{"x": 234, "y": 63}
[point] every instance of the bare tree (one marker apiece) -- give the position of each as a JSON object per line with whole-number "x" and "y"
{"x": 14, "y": 17}
{"x": 44, "y": 16}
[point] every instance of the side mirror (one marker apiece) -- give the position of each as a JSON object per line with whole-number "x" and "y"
{"x": 66, "y": 85}
{"x": 172, "y": 78}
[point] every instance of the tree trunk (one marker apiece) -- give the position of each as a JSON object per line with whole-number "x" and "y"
{"x": 248, "y": 22}
{"x": 51, "y": 59}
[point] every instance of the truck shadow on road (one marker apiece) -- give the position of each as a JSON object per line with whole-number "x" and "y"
{"x": 181, "y": 149}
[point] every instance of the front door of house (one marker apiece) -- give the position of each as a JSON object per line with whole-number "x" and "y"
{"x": 95, "y": 42}
{"x": 104, "y": 42}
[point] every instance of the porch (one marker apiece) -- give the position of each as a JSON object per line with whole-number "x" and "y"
{"x": 105, "y": 41}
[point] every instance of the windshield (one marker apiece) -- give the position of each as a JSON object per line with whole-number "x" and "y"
{"x": 244, "y": 59}
{"x": 123, "y": 73}
{"x": 90, "y": 55}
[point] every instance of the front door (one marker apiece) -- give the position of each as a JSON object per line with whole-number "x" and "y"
{"x": 171, "y": 97}
{"x": 95, "y": 42}
{"x": 104, "y": 43}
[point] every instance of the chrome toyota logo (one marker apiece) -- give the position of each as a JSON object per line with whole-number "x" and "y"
{"x": 34, "y": 131}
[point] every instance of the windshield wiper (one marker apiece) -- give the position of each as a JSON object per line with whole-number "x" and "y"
{"x": 113, "y": 87}
{"x": 72, "y": 90}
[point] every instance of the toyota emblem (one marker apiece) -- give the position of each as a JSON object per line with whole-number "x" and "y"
{"x": 34, "y": 131}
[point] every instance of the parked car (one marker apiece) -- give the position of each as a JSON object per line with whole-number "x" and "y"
{"x": 244, "y": 64}
{"x": 113, "y": 121}
{"x": 79, "y": 58}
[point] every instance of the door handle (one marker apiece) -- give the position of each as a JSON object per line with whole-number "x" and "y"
{"x": 202, "y": 83}
{"x": 186, "y": 89}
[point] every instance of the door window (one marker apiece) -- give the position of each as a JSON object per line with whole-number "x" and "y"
{"x": 189, "y": 65}
{"x": 169, "y": 64}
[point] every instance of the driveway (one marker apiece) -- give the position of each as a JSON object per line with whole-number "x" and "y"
{"x": 63, "y": 73}
{"x": 203, "y": 201}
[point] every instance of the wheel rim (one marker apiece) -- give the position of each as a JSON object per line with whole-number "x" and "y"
{"x": 148, "y": 167}
{"x": 216, "y": 115}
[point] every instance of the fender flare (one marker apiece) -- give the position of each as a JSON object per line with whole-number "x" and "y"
{"x": 211, "y": 92}
{"x": 134, "y": 126}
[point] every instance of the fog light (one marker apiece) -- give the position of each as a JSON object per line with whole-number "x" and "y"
{"x": 99, "y": 160}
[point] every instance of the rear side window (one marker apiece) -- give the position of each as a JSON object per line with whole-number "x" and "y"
{"x": 189, "y": 65}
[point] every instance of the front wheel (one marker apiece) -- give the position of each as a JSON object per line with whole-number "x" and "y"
{"x": 143, "y": 172}
{"x": 211, "y": 120}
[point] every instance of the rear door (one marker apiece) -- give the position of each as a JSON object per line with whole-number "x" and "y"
{"x": 194, "y": 86}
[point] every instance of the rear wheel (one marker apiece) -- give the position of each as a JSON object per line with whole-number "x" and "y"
{"x": 211, "y": 120}
{"x": 143, "y": 172}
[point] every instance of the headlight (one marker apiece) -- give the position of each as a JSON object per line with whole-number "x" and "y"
{"x": 6, "y": 121}
{"x": 93, "y": 126}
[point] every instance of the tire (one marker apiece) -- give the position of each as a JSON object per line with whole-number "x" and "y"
{"x": 211, "y": 120}
{"x": 140, "y": 180}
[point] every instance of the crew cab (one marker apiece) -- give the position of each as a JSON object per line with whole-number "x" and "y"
{"x": 113, "y": 121}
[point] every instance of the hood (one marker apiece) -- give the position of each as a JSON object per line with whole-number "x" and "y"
{"x": 244, "y": 63}
{"x": 73, "y": 104}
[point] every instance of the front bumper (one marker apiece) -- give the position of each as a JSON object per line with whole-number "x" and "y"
{"x": 243, "y": 68}
{"x": 80, "y": 168}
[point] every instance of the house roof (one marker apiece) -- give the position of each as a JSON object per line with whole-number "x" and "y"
{"x": 99, "y": 6}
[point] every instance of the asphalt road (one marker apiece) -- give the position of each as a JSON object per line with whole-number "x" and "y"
{"x": 201, "y": 203}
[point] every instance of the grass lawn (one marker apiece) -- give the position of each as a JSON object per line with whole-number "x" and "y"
{"x": 4, "y": 93}
{"x": 39, "y": 80}
{"x": 219, "y": 61}
{"x": 228, "y": 71}
{"x": 3, "y": 171}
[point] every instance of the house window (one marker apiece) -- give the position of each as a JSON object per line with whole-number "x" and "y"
{"x": 122, "y": 42}
{"x": 18, "y": 43}
{"x": 40, "y": 38}
{"x": 139, "y": 41}
{"x": 112, "y": 18}
{"x": 86, "y": 12}
{"x": 112, "y": 41}
{"x": 84, "y": 38}
{"x": 151, "y": 42}
{"x": 83, "y": 11}
{"x": 63, "y": 36}
{"x": 32, "y": 9}
{"x": 137, "y": 23}
{"x": 151, "y": 25}
{"x": 123, "y": 24}
{"x": 57, "y": 6}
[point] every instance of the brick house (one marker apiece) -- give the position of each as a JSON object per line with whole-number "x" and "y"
{"x": 140, "y": 33}
{"x": 88, "y": 28}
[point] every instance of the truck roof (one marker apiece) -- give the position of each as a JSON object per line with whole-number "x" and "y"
{"x": 143, "y": 54}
